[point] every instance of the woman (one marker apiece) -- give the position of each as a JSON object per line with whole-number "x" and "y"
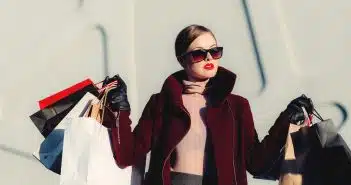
{"x": 197, "y": 131}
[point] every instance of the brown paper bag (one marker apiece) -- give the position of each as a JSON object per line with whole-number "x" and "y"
{"x": 97, "y": 110}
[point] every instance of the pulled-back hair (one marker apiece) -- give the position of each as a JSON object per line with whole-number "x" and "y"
{"x": 186, "y": 36}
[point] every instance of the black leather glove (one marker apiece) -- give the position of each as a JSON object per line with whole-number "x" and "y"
{"x": 295, "y": 109}
{"x": 117, "y": 97}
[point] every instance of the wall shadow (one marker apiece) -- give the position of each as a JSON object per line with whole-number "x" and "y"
{"x": 255, "y": 46}
{"x": 104, "y": 43}
{"x": 17, "y": 152}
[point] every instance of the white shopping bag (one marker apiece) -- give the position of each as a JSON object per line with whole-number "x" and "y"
{"x": 50, "y": 150}
{"x": 87, "y": 157}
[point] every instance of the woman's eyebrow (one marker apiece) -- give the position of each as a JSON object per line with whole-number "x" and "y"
{"x": 199, "y": 47}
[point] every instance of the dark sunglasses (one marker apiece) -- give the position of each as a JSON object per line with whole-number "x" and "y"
{"x": 201, "y": 54}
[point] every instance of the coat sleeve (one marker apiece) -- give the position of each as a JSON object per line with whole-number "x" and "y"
{"x": 263, "y": 158}
{"x": 130, "y": 147}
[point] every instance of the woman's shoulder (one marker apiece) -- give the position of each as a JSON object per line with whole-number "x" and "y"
{"x": 156, "y": 101}
{"x": 235, "y": 98}
{"x": 157, "y": 97}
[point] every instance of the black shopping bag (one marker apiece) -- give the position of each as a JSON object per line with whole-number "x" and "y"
{"x": 329, "y": 158}
{"x": 47, "y": 119}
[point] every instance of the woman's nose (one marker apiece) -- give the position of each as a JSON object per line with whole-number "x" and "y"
{"x": 208, "y": 57}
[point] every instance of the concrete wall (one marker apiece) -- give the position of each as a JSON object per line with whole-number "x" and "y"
{"x": 45, "y": 47}
{"x": 279, "y": 50}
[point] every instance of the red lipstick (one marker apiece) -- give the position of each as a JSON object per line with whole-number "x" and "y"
{"x": 209, "y": 66}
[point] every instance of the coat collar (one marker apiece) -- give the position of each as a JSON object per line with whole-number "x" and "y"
{"x": 220, "y": 86}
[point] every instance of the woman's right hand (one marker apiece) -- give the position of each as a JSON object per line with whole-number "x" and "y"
{"x": 295, "y": 109}
{"x": 117, "y": 98}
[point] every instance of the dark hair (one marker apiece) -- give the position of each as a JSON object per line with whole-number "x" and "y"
{"x": 186, "y": 36}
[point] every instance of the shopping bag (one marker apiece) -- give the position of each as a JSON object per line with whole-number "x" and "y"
{"x": 327, "y": 156}
{"x": 295, "y": 152}
{"x": 329, "y": 159}
{"x": 48, "y": 118}
{"x": 48, "y": 101}
{"x": 50, "y": 150}
{"x": 87, "y": 157}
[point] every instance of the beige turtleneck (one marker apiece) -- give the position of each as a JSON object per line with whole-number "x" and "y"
{"x": 190, "y": 151}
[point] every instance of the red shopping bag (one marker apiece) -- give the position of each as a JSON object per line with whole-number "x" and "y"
{"x": 44, "y": 103}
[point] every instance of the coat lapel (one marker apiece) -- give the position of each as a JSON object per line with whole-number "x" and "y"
{"x": 221, "y": 127}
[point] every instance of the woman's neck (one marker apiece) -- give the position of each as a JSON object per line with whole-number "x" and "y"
{"x": 192, "y": 85}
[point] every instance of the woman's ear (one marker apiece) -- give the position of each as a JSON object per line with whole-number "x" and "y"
{"x": 181, "y": 61}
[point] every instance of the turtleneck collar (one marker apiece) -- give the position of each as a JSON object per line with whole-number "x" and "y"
{"x": 217, "y": 89}
{"x": 194, "y": 87}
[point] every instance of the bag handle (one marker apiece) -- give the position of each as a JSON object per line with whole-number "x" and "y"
{"x": 109, "y": 85}
{"x": 103, "y": 103}
{"x": 94, "y": 109}
{"x": 315, "y": 113}
{"x": 309, "y": 116}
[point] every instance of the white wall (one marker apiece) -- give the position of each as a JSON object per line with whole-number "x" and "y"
{"x": 45, "y": 47}
{"x": 302, "y": 46}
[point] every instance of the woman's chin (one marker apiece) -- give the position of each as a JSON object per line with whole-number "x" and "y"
{"x": 209, "y": 73}
{"x": 205, "y": 76}
{"x": 202, "y": 75}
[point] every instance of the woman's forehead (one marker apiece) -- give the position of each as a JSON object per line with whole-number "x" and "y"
{"x": 204, "y": 41}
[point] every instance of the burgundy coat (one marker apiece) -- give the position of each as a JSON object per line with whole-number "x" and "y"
{"x": 236, "y": 147}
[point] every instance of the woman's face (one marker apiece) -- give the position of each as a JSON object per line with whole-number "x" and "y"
{"x": 203, "y": 69}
